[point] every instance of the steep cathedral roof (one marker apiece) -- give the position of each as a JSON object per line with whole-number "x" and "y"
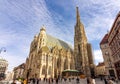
{"x": 52, "y": 41}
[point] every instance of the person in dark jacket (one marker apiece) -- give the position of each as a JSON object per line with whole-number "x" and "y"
{"x": 105, "y": 80}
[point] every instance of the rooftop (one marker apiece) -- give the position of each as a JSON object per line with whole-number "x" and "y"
{"x": 101, "y": 64}
{"x": 52, "y": 41}
{"x": 104, "y": 40}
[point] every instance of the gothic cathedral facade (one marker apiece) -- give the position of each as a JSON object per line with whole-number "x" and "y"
{"x": 49, "y": 56}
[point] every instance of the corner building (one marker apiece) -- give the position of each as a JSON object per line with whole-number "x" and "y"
{"x": 114, "y": 43}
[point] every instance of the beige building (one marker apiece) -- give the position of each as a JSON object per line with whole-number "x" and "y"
{"x": 82, "y": 49}
{"x": 3, "y": 67}
{"x": 114, "y": 43}
{"x": 19, "y": 71}
{"x": 9, "y": 76}
{"x": 100, "y": 69}
{"x": 106, "y": 52}
{"x": 49, "y": 56}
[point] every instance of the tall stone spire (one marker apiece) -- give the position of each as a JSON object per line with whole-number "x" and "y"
{"x": 80, "y": 47}
{"x": 77, "y": 16}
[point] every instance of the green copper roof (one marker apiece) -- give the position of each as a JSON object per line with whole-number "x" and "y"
{"x": 51, "y": 42}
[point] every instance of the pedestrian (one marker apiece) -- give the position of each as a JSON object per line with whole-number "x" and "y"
{"x": 33, "y": 80}
{"x": 52, "y": 80}
{"x": 49, "y": 80}
{"x": 14, "y": 82}
{"x": 37, "y": 81}
{"x": 88, "y": 80}
{"x": 56, "y": 80}
{"x": 105, "y": 80}
{"x": 69, "y": 79}
{"x": 77, "y": 80}
{"x": 25, "y": 81}
{"x": 116, "y": 80}
{"x": 44, "y": 79}
{"x": 93, "y": 81}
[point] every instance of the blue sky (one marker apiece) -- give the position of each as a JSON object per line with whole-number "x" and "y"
{"x": 21, "y": 20}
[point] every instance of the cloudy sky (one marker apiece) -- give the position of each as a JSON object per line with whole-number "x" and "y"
{"x": 21, "y": 20}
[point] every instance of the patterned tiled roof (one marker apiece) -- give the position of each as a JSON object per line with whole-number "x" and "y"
{"x": 52, "y": 41}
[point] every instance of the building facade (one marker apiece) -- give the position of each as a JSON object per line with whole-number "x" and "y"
{"x": 106, "y": 53}
{"x": 19, "y": 71}
{"x": 100, "y": 69}
{"x": 3, "y": 67}
{"x": 82, "y": 49}
{"x": 9, "y": 76}
{"x": 114, "y": 43}
{"x": 48, "y": 57}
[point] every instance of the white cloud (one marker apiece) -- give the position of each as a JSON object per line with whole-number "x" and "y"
{"x": 13, "y": 59}
{"x": 97, "y": 27}
{"x": 98, "y": 56}
{"x": 99, "y": 16}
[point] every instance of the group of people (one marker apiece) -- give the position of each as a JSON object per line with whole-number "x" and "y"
{"x": 51, "y": 80}
{"x": 110, "y": 80}
{"x": 76, "y": 80}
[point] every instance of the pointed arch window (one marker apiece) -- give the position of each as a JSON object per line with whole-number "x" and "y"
{"x": 43, "y": 69}
{"x": 50, "y": 70}
{"x": 78, "y": 47}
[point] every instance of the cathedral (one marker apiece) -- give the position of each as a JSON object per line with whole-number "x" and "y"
{"x": 49, "y": 56}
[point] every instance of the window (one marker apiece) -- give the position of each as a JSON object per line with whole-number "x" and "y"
{"x": 43, "y": 70}
{"x": 44, "y": 58}
{"x": 50, "y": 70}
{"x": 50, "y": 58}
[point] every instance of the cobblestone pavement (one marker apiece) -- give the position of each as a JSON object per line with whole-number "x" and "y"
{"x": 82, "y": 81}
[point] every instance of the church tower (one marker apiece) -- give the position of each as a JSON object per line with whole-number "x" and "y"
{"x": 80, "y": 47}
{"x": 42, "y": 38}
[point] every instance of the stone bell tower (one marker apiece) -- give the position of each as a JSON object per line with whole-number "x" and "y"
{"x": 80, "y": 47}
{"x": 42, "y": 37}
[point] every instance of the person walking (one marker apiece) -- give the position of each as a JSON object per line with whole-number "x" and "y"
{"x": 56, "y": 80}
{"x": 93, "y": 81}
{"x": 105, "y": 80}
{"x": 88, "y": 80}
{"x": 25, "y": 81}
{"x": 14, "y": 82}
{"x": 77, "y": 80}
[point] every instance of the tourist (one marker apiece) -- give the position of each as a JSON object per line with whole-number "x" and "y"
{"x": 77, "y": 80}
{"x": 88, "y": 80}
{"x": 93, "y": 81}
{"x": 106, "y": 81}
{"x": 56, "y": 80}
{"x": 14, "y": 82}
